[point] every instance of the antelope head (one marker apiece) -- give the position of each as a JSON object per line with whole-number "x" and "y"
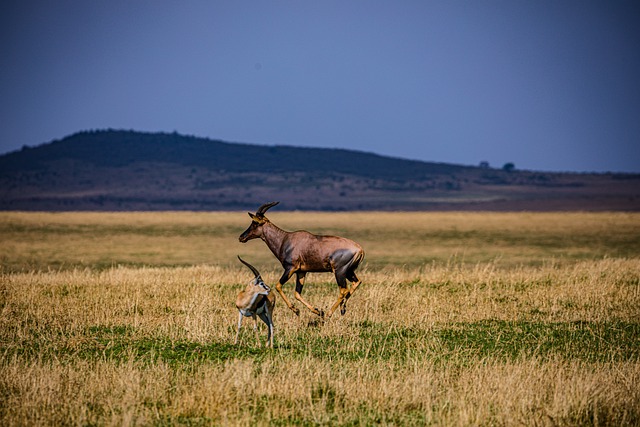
{"x": 257, "y": 221}
{"x": 256, "y": 284}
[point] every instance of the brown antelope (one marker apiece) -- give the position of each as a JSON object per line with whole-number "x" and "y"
{"x": 301, "y": 252}
{"x": 256, "y": 299}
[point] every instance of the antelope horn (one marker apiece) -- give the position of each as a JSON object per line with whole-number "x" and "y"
{"x": 251, "y": 267}
{"x": 262, "y": 209}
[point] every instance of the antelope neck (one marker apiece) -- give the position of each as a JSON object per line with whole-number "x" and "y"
{"x": 273, "y": 236}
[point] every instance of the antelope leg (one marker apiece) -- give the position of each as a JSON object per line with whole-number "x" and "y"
{"x": 255, "y": 329}
{"x": 285, "y": 277}
{"x": 299, "y": 285}
{"x": 343, "y": 293}
{"x": 355, "y": 282}
{"x": 266, "y": 318}
{"x": 239, "y": 325}
{"x": 343, "y": 307}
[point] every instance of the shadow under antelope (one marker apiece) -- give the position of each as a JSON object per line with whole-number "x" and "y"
{"x": 301, "y": 252}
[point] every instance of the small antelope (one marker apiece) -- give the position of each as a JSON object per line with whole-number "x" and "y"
{"x": 301, "y": 252}
{"x": 256, "y": 299}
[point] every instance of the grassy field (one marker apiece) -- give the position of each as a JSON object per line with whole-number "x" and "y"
{"x": 462, "y": 319}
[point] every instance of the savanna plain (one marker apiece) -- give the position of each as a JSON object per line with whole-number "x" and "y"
{"x": 461, "y": 319}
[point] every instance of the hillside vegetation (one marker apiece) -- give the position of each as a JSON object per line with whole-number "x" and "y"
{"x": 462, "y": 319}
{"x": 126, "y": 170}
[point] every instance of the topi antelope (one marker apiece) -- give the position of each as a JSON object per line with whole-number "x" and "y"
{"x": 256, "y": 299}
{"x": 301, "y": 252}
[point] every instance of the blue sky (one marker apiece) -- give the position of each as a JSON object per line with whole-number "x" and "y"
{"x": 547, "y": 85}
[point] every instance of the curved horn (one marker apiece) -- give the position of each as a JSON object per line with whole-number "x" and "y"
{"x": 251, "y": 267}
{"x": 262, "y": 209}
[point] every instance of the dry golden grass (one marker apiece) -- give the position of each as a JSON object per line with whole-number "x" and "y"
{"x": 450, "y": 327}
{"x": 103, "y": 240}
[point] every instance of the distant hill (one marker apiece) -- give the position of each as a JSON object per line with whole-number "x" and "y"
{"x": 127, "y": 170}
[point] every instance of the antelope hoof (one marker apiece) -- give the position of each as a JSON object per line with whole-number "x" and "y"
{"x": 295, "y": 310}
{"x": 343, "y": 310}
{"x": 319, "y": 312}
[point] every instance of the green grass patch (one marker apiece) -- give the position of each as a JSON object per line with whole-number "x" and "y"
{"x": 588, "y": 341}
{"x": 460, "y": 343}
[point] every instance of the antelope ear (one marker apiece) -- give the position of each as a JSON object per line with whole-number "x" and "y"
{"x": 260, "y": 219}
